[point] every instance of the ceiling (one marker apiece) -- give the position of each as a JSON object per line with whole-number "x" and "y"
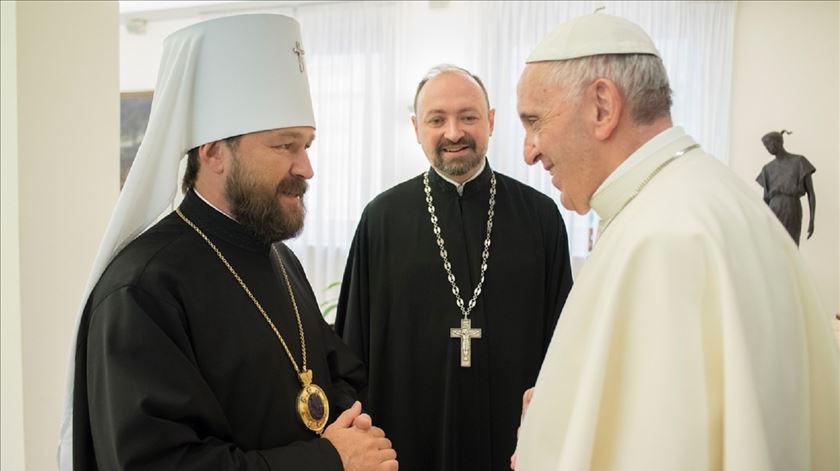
{"x": 165, "y": 10}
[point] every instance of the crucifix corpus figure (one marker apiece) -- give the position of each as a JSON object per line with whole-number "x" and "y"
{"x": 465, "y": 333}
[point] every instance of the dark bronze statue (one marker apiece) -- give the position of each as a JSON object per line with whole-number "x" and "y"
{"x": 785, "y": 180}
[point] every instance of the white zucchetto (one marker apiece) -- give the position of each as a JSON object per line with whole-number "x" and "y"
{"x": 593, "y": 35}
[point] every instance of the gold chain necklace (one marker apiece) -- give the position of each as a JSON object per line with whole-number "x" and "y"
{"x": 465, "y": 332}
{"x": 312, "y": 404}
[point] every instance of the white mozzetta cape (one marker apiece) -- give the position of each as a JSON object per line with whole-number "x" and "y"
{"x": 692, "y": 338}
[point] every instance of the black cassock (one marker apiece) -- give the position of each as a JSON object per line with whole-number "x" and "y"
{"x": 396, "y": 310}
{"x": 177, "y": 369}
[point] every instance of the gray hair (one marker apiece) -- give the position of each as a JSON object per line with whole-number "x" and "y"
{"x": 640, "y": 77}
{"x": 449, "y": 68}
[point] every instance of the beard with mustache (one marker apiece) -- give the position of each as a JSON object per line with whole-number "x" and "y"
{"x": 457, "y": 166}
{"x": 258, "y": 208}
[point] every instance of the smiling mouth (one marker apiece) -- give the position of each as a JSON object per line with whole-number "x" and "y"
{"x": 455, "y": 149}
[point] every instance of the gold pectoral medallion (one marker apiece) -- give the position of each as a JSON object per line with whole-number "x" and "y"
{"x": 313, "y": 407}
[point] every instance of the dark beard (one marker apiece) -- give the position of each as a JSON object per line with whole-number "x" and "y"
{"x": 259, "y": 210}
{"x": 459, "y": 166}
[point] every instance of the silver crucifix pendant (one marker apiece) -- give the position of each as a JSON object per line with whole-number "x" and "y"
{"x": 465, "y": 333}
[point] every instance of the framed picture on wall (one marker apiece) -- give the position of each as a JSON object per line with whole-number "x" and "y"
{"x": 135, "y": 108}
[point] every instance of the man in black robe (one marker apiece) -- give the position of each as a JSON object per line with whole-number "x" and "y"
{"x": 201, "y": 345}
{"x": 447, "y": 407}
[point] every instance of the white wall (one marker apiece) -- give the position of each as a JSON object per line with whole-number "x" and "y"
{"x": 68, "y": 157}
{"x": 786, "y": 76}
{"x": 11, "y": 369}
{"x": 140, "y": 53}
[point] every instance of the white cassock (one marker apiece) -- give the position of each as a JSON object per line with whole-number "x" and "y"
{"x": 692, "y": 339}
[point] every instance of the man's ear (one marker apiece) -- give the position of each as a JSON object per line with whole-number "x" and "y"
{"x": 491, "y": 116}
{"x": 414, "y": 123}
{"x": 213, "y": 156}
{"x": 609, "y": 104}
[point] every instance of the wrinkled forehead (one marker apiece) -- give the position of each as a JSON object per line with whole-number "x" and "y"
{"x": 533, "y": 85}
{"x": 533, "y": 77}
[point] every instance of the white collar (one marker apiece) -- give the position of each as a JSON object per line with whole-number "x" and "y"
{"x": 460, "y": 186}
{"x": 212, "y": 206}
{"x": 648, "y": 148}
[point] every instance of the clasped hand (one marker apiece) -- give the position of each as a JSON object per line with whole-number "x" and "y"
{"x": 360, "y": 445}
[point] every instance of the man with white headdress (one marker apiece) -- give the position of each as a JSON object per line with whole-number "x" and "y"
{"x": 201, "y": 345}
{"x": 693, "y": 338}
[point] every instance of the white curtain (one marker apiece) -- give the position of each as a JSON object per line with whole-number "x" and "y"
{"x": 365, "y": 59}
{"x": 350, "y": 60}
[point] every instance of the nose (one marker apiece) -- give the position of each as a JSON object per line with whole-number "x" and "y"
{"x": 530, "y": 153}
{"x": 302, "y": 166}
{"x": 453, "y": 131}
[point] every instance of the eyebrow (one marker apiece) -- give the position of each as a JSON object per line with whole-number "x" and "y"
{"x": 293, "y": 135}
{"x": 462, "y": 110}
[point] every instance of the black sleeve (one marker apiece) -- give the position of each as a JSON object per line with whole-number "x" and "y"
{"x": 559, "y": 269}
{"x": 149, "y": 405}
{"x": 348, "y": 374}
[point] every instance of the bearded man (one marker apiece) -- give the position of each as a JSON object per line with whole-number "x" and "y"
{"x": 201, "y": 345}
{"x": 453, "y": 286}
